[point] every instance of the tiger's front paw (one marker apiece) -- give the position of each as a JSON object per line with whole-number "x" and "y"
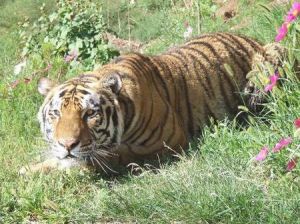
{"x": 52, "y": 164}
{"x": 43, "y": 167}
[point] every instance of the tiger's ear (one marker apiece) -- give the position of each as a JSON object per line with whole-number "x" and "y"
{"x": 113, "y": 82}
{"x": 45, "y": 85}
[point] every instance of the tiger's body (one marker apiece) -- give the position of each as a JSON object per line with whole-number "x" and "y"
{"x": 137, "y": 105}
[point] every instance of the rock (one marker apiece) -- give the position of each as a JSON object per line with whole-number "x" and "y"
{"x": 228, "y": 9}
{"x": 123, "y": 45}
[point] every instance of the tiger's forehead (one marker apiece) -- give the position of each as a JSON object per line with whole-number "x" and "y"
{"x": 76, "y": 94}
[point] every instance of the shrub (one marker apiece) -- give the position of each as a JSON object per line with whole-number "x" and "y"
{"x": 76, "y": 26}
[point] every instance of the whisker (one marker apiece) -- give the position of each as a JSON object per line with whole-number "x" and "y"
{"x": 92, "y": 160}
{"x": 99, "y": 163}
{"x": 107, "y": 166}
{"x": 104, "y": 153}
{"x": 98, "y": 156}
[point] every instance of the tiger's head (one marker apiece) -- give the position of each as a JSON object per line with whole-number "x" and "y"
{"x": 81, "y": 118}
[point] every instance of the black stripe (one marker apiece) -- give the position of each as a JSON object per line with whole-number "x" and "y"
{"x": 218, "y": 68}
{"x": 83, "y": 91}
{"x": 244, "y": 67}
{"x": 102, "y": 131}
{"x": 143, "y": 143}
{"x": 143, "y": 69}
{"x": 126, "y": 76}
{"x": 142, "y": 131}
{"x": 158, "y": 89}
{"x": 137, "y": 129}
{"x": 235, "y": 41}
{"x": 185, "y": 92}
{"x": 44, "y": 116}
{"x": 62, "y": 93}
{"x": 115, "y": 118}
{"x": 177, "y": 88}
{"x": 129, "y": 112}
{"x": 150, "y": 73}
{"x": 158, "y": 137}
{"x": 218, "y": 65}
{"x": 106, "y": 96}
{"x": 135, "y": 66}
{"x": 257, "y": 46}
{"x": 165, "y": 67}
{"x": 173, "y": 130}
{"x": 108, "y": 114}
{"x": 232, "y": 42}
{"x": 208, "y": 90}
{"x": 207, "y": 74}
{"x": 161, "y": 80}
{"x": 227, "y": 99}
{"x": 115, "y": 124}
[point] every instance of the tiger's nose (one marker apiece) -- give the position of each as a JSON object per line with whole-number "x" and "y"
{"x": 69, "y": 144}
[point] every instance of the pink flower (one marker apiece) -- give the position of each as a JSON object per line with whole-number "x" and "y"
{"x": 72, "y": 56}
{"x": 281, "y": 144}
{"x": 273, "y": 81}
{"x": 297, "y": 123}
{"x": 262, "y": 155}
{"x": 292, "y": 164}
{"x": 282, "y": 31}
{"x": 293, "y": 13}
{"x": 290, "y": 17}
{"x": 295, "y": 10}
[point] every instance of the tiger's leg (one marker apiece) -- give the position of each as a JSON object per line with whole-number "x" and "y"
{"x": 133, "y": 153}
{"x": 128, "y": 152}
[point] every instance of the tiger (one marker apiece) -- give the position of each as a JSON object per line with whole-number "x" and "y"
{"x": 140, "y": 107}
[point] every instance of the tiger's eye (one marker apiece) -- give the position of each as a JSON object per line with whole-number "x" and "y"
{"x": 56, "y": 112}
{"x": 91, "y": 112}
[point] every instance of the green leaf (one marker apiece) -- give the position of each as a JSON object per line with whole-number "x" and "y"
{"x": 297, "y": 133}
{"x": 52, "y": 17}
{"x": 79, "y": 43}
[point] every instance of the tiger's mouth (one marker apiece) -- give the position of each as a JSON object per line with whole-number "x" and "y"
{"x": 98, "y": 156}
{"x": 95, "y": 154}
{"x": 70, "y": 156}
{"x": 86, "y": 152}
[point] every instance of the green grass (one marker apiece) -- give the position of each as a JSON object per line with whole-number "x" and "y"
{"x": 216, "y": 182}
{"x": 12, "y": 13}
